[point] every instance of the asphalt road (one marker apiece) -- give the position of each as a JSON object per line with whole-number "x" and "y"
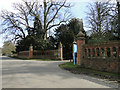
{"x": 45, "y": 74}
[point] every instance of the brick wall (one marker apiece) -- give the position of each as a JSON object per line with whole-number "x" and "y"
{"x": 50, "y": 54}
{"x": 102, "y": 56}
{"x": 109, "y": 65}
{"x": 23, "y": 54}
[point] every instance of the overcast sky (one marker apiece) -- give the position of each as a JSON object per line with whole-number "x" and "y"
{"x": 78, "y": 10}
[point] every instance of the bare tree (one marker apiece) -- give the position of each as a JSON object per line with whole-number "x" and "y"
{"x": 47, "y": 13}
{"x": 99, "y": 18}
{"x": 117, "y": 19}
{"x": 11, "y": 25}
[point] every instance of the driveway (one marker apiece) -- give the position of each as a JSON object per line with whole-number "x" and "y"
{"x": 45, "y": 74}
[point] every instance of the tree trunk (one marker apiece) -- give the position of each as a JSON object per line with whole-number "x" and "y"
{"x": 45, "y": 36}
{"x": 45, "y": 21}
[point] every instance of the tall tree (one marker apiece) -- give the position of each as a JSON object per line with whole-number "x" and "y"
{"x": 66, "y": 37}
{"x": 99, "y": 19}
{"x": 73, "y": 25}
{"x": 116, "y": 21}
{"x": 66, "y": 33}
{"x": 76, "y": 25}
{"x": 46, "y": 15}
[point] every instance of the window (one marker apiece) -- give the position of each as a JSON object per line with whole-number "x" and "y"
{"x": 114, "y": 52}
{"x": 89, "y": 52}
{"x": 108, "y": 52}
{"x": 93, "y": 50}
{"x": 103, "y": 52}
{"x": 98, "y": 52}
{"x": 85, "y": 52}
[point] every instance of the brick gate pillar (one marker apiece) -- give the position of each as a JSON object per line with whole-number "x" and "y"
{"x": 60, "y": 51}
{"x": 80, "y": 43}
{"x": 31, "y": 51}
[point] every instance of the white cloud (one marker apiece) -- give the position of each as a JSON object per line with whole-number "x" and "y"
{"x": 7, "y": 4}
{"x": 112, "y": 1}
{"x": 79, "y": 0}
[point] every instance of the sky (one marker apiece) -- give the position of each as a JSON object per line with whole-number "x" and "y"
{"x": 78, "y": 11}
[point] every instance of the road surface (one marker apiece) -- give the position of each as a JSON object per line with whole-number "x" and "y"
{"x": 45, "y": 74}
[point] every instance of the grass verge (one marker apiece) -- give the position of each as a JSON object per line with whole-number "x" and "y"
{"x": 76, "y": 69}
{"x": 32, "y": 59}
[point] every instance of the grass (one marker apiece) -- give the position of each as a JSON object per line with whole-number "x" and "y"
{"x": 32, "y": 59}
{"x": 76, "y": 69}
{"x": 69, "y": 65}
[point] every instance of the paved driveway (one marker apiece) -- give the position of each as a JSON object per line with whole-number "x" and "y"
{"x": 44, "y": 74}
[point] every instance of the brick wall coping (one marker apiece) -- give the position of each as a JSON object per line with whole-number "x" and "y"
{"x": 112, "y": 43}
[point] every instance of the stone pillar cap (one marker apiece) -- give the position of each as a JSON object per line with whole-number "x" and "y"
{"x": 80, "y": 34}
{"x": 74, "y": 42}
{"x": 31, "y": 47}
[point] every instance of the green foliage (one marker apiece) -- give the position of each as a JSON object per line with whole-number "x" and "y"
{"x": 8, "y": 48}
{"x": 37, "y": 43}
{"x": 73, "y": 26}
{"x": 69, "y": 65}
{"x": 66, "y": 37}
{"x": 35, "y": 38}
{"x": 66, "y": 34}
{"x": 107, "y": 36}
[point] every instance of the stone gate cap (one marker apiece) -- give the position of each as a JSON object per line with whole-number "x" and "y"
{"x": 80, "y": 34}
{"x": 74, "y": 42}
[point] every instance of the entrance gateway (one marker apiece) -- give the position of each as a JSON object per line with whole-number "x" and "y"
{"x": 77, "y": 46}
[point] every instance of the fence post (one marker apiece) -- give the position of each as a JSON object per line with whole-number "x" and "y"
{"x": 31, "y": 51}
{"x": 80, "y": 43}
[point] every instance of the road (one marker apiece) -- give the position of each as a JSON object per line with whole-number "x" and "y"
{"x": 45, "y": 74}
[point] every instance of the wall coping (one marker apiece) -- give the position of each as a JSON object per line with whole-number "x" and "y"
{"x": 109, "y": 43}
